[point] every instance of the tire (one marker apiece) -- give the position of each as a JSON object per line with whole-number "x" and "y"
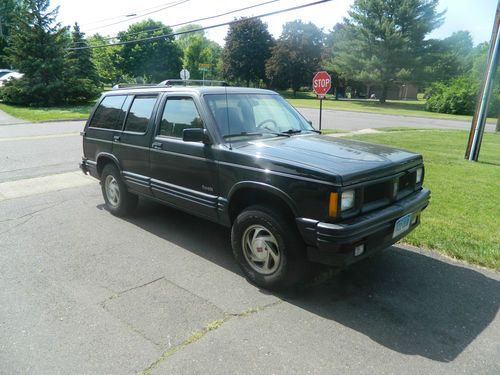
{"x": 268, "y": 248}
{"x": 119, "y": 201}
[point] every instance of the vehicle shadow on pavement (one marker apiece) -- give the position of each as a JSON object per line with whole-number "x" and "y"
{"x": 409, "y": 302}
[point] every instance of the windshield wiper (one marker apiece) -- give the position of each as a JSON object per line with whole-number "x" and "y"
{"x": 243, "y": 134}
{"x": 292, "y": 131}
{"x": 255, "y": 134}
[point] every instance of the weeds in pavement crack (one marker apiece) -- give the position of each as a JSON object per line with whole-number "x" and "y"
{"x": 198, "y": 335}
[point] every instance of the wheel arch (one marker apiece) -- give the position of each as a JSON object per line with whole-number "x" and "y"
{"x": 248, "y": 193}
{"x": 106, "y": 158}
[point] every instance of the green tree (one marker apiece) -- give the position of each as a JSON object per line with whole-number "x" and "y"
{"x": 108, "y": 61}
{"x": 296, "y": 56}
{"x": 194, "y": 54}
{"x": 197, "y": 50}
{"x": 248, "y": 46}
{"x": 80, "y": 74}
{"x": 384, "y": 41}
{"x": 152, "y": 61}
{"x": 459, "y": 94}
{"x": 8, "y": 11}
{"x": 183, "y": 40}
{"x": 37, "y": 49}
{"x": 448, "y": 58}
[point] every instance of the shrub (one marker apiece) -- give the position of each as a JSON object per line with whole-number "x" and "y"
{"x": 459, "y": 96}
{"x": 456, "y": 97}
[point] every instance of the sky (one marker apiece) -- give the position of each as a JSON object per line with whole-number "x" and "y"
{"x": 94, "y": 16}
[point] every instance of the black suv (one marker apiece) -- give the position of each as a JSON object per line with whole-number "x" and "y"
{"x": 246, "y": 159}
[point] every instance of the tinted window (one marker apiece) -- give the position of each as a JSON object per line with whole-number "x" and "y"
{"x": 254, "y": 114}
{"x": 179, "y": 114}
{"x": 108, "y": 113}
{"x": 140, "y": 113}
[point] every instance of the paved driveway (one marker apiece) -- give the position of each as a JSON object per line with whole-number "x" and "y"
{"x": 83, "y": 292}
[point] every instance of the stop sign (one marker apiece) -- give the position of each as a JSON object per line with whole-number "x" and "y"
{"x": 322, "y": 83}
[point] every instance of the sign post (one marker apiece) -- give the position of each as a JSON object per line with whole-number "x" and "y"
{"x": 184, "y": 74}
{"x": 203, "y": 68}
{"x": 322, "y": 83}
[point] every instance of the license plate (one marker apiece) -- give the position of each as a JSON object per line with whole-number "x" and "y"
{"x": 402, "y": 225}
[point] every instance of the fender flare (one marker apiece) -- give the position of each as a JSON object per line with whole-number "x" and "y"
{"x": 263, "y": 187}
{"x": 107, "y": 155}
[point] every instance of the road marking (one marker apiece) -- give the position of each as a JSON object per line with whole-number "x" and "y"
{"x": 34, "y": 137}
{"x": 45, "y": 184}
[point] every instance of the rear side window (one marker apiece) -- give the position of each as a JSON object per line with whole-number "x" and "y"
{"x": 179, "y": 114}
{"x": 109, "y": 112}
{"x": 140, "y": 114}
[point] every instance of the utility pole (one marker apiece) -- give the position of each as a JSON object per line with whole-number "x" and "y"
{"x": 479, "y": 119}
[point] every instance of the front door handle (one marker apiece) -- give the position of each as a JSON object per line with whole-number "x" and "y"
{"x": 116, "y": 138}
{"x": 157, "y": 145}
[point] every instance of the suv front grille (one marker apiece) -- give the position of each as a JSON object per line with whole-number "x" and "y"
{"x": 383, "y": 193}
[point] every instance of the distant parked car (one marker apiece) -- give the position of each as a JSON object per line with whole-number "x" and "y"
{"x": 9, "y": 75}
{"x": 4, "y": 72}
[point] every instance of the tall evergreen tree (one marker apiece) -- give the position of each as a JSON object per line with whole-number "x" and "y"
{"x": 36, "y": 49}
{"x": 296, "y": 56}
{"x": 384, "y": 41}
{"x": 248, "y": 46}
{"x": 80, "y": 74}
{"x": 8, "y": 11}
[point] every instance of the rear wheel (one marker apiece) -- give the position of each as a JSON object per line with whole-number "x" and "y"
{"x": 268, "y": 248}
{"x": 118, "y": 199}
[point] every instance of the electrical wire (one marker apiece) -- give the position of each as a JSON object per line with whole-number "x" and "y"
{"x": 201, "y": 28}
{"x": 141, "y": 15}
{"x": 127, "y": 15}
{"x": 196, "y": 20}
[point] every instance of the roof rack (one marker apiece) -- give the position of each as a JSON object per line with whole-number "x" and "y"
{"x": 133, "y": 85}
{"x": 192, "y": 82}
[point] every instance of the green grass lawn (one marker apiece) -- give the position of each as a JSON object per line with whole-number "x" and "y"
{"x": 462, "y": 220}
{"x": 77, "y": 112}
{"x": 391, "y": 107}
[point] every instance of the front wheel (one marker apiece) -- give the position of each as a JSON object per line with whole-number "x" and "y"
{"x": 268, "y": 248}
{"x": 118, "y": 199}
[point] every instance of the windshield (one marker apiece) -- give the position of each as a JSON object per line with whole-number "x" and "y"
{"x": 240, "y": 116}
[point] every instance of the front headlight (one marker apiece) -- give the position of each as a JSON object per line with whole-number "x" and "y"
{"x": 347, "y": 201}
{"x": 420, "y": 174}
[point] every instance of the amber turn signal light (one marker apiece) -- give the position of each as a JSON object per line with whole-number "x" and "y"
{"x": 333, "y": 205}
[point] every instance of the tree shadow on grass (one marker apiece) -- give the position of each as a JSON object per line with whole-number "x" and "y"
{"x": 410, "y": 302}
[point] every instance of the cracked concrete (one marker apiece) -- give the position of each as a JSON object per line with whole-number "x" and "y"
{"x": 83, "y": 292}
{"x": 198, "y": 335}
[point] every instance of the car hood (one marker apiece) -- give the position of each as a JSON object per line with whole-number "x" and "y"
{"x": 352, "y": 161}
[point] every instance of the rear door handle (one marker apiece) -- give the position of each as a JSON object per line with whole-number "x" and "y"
{"x": 157, "y": 145}
{"x": 116, "y": 138}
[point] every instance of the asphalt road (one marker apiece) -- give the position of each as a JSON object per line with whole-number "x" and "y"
{"x": 83, "y": 292}
{"x": 345, "y": 120}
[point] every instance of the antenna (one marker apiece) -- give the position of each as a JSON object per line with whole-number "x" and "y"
{"x": 227, "y": 116}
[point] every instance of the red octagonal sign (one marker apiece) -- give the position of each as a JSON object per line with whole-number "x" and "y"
{"x": 322, "y": 83}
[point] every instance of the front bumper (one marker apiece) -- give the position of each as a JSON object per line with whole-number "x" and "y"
{"x": 334, "y": 244}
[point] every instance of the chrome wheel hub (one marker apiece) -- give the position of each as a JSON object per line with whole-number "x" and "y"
{"x": 112, "y": 190}
{"x": 261, "y": 249}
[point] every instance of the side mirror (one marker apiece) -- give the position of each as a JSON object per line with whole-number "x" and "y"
{"x": 309, "y": 122}
{"x": 196, "y": 135}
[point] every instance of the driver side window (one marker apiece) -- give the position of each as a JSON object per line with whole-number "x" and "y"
{"x": 179, "y": 114}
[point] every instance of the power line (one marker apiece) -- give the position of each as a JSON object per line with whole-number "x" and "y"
{"x": 127, "y": 15}
{"x": 201, "y": 28}
{"x": 141, "y": 15}
{"x": 196, "y": 20}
